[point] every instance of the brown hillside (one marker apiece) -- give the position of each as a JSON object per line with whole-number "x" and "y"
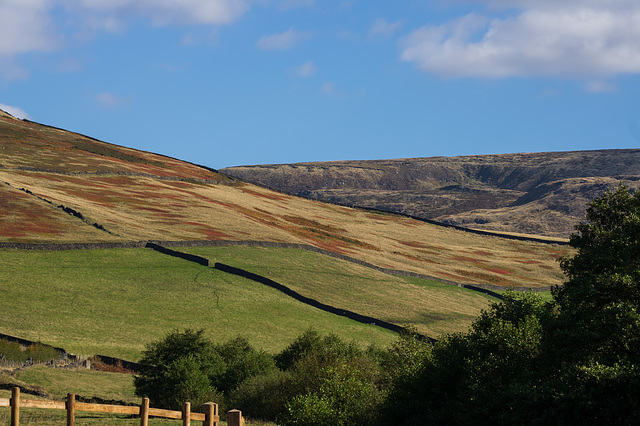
{"x": 58, "y": 186}
{"x": 541, "y": 193}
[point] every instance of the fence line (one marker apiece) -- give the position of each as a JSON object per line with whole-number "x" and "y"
{"x": 209, "y": 415}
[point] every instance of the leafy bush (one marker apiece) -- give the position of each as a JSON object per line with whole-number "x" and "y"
{"x": 186, "y": 366}
{"x": 181, "y": 367}
{"x": 308, "y": 410}
{"x": 42, "y": 353}
{"x": 37, "y": 352}
{"x": 263, "y": 396}
{"x": 311, "y": 342}
{"x": 241, "y": 361}
{"x": 12, "y": 351}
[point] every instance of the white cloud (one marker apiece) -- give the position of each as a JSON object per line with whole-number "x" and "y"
{"x": 15, "y": 111}
{"x": 382, "y": 28}
{"x": 25, "y": 26}
{"x": 282, "y": 41}
{"x": 559, "y": 38}
{"x": 306, "y": 70}
{"x": 165, "y": 12}
{"x": 112, "y": 101}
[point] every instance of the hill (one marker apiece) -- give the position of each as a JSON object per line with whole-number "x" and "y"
{"x": 58, "y": 186}
{"x": 539, "y": 193}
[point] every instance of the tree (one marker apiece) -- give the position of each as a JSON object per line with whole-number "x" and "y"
{"x": 484, "y": 376}
{"x": 573, "y": 360}
{"x": 179, "y": 368}
{"x": 241, "y": 362}
{"x": 596, "y": 330}
{"x": 186, "y": 366}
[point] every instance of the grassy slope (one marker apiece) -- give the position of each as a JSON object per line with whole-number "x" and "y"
{"x": 112, "y": 302}
{"x": 434, "y": 308}
{"x": 146, "y": 206}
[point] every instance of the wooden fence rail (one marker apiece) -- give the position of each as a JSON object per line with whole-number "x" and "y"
{"x": 209, "y": 415}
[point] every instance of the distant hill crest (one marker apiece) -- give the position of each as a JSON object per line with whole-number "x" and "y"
{"x": 542, "y": 193}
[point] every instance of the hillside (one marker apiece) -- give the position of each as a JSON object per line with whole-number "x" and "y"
{"x": 59, "y": 186}
{"x": 540, "y": 193}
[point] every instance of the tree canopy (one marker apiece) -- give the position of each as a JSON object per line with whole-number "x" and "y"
{"x": 525, "y": 361}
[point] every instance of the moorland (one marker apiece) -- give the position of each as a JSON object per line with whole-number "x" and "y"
{"x": 531, "y": 193}
{"x": 77, "y": 212}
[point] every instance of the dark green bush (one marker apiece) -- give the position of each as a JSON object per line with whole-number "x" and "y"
{"x": 241, "y": 361}
{"x": 184, "y": 364}
{"x": 327, "y": 347}
{"x": 263, "y": 396}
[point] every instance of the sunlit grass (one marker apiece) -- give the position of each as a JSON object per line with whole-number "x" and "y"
{"x": 113, "y": 302}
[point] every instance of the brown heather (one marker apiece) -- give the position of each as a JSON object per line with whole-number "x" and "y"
{"x": 139, "y": 196}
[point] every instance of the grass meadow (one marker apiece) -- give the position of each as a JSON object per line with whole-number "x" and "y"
{"x": 113, "y": 302}
{"x": 432, "y": 307}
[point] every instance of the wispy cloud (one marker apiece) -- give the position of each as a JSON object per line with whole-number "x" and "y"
{"x": 571, "y": 38}
{"x": 331, "y": 90}
{"x": 294, "y": 4}
{"x": 282, "y": 41}
{"x": 15, "y": 111}
{"x": 166, "y": 12}
{"x": 306, "y": 70}
{"x": 382, "y": 28}
{"x": 597, "y": 86}
{"x": 27, "y": 25}
{"x": 112, "y": 101}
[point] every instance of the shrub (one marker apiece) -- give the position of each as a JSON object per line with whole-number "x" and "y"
{"x": 241, "y": 361}
{"x": 184, "y": 364}
{"x": 334, "y": 382}
{"x": 312, "y": 343}
{"x": 308, "y": 410}
{"x": 265, "y": 396}
{"x": 42, "y": 353}
{"x": 37, "y": 352}
{"x": 12, "y": 351}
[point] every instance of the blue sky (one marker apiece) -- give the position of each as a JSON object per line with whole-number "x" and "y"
{"x": 233, "y": 82}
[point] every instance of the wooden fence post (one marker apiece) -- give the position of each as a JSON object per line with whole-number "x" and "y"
{"x": 144, "y": 412}
{"x": 15, "y": 406}
{"x": 186, "y": 414}
{"x": 234, "y": 418}
{"x": 210, "y": 411}
{"x": 71, "y": 409}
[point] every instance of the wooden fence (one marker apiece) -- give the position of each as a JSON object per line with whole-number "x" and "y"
{"x": 209, "y": 415}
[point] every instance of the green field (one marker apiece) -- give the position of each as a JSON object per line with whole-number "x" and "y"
{"x": 434, "y": 308}
{"x": 113, "y": 302}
